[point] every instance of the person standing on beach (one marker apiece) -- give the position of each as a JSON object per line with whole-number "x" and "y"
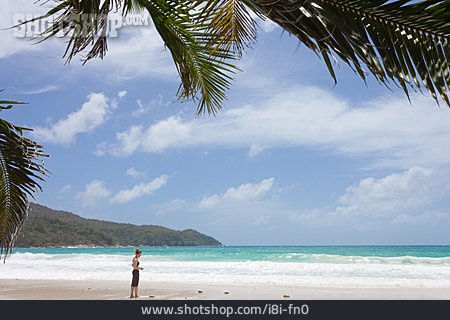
{"x": 136, "y": 268}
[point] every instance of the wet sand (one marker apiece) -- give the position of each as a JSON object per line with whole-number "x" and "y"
{"x": 18, "y": 289}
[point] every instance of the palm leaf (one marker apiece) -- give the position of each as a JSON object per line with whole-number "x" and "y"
{"x": 21, "y": 168}
{"x": 203, "y": 67}
{"x": 405, "y": 41}
{"x": 204, "y": 71}
{"x": 230, "y": 24}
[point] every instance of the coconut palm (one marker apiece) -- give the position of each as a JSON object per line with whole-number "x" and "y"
{"x": 404, "y": 42}
{"x": 21, "y": 168}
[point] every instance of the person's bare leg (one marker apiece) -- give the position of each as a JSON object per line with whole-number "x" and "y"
{"x": 136, "y": 292}
{"x": 132, "y": 291}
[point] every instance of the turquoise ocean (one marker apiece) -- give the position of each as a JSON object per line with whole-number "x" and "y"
{"x": 299, "y": 265}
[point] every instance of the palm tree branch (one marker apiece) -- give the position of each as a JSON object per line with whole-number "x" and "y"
{"x": 203, "y": 66}
{"x": 203, "y": 69}
{"x": 21, "y": 169}
{"x": 230, "y": 24}
{"x": 402, "y": 40}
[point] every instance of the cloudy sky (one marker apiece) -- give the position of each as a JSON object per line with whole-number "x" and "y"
{"x": 291, "y": 158}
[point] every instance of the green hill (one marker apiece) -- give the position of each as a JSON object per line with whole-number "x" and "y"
{"x": 45, "y": 227}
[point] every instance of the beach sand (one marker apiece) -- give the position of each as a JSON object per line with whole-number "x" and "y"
{"x": 11, "y": 289}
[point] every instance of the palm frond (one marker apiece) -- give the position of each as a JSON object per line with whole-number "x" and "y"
{"x": 230, "y": 24}
{"x": 83, "y": 22}
{"x": 21, "y": 168}
{"x": 405, "y": 41}
{"x": 205, "y": 69}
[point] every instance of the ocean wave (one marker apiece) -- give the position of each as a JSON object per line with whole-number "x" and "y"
{"x": 290, "y": 257}
{"x": 327, "y": 258}
{"x": 313, "y": 269}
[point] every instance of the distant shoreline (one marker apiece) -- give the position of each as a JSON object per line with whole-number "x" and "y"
{"x": 118, "y": 246}
{"x": 237, "y": 245}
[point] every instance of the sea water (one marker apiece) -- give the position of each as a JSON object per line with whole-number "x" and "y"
{"x": 414, "y": 266}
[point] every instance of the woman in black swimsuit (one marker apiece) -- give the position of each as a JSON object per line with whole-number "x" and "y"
{"x": 136, "y": 268}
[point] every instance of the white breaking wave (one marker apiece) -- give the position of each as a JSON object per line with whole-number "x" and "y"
{"x": 328, "y": 270}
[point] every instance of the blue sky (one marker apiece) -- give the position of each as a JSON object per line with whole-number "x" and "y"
{"x": 291, "y": 158}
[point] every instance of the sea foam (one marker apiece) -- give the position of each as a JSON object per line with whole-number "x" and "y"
{"x": 310, "y": 270}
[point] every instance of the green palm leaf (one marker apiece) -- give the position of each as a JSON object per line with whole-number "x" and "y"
{"x": 21, "y": 168}
{"x": 203, "y": 67}
{"x": 204, "y": 71}
{"x": 405, "y": 41}
{"x": 230, "y": 24}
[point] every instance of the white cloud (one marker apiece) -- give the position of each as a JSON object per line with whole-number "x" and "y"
{"x": 155, "y": 138}
{"x": 132, "y": 172}
{"x": 96, "y": 190}
{"x": 401, "y": 197}
{"x": 391, "y": 194}
{"x": 146, "y": 107}
{"x": 45, "y": 89}
{"x": 209, "y": 202}
{"x": 140, "y": 190}
{"x": 390, "y": 130}
{"x": 255, "y": 150}
{"x": 138, "y": 51}
{"x": 93, "y": 192}
{"x": 12, "y": 45}
{"x": 244, "y": 193}
{"x": 63, "y": 191}
{"x": 92, "y": 114}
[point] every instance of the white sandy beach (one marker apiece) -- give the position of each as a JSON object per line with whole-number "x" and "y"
{"x": 13, "y": 289}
